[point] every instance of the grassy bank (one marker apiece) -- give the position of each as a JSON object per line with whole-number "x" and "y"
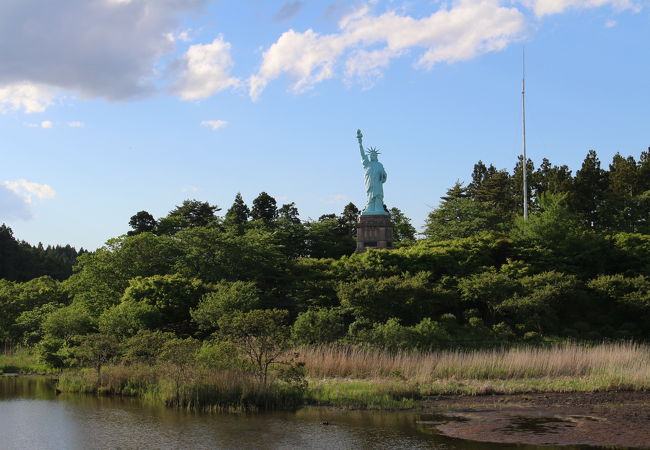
{"x": 195, "y": 388}
{"x": 364, "y": 377}
{"x": 357, "y": 377}
{"x": 23, "y": 361}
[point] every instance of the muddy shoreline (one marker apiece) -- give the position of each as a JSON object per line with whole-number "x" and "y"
{"x": 620, "y": 419}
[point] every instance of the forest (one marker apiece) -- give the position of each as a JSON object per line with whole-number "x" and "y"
{"x": 244, "y": 287}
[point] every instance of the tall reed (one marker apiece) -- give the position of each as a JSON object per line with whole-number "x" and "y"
{"x": 628, "y": 360}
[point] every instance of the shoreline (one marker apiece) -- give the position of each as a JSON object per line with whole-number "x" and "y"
{"x": 614, "y": 418}
{"x": 603, "y": 418}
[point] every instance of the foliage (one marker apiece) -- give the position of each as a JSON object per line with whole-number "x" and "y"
{"x": 318, "y": 326}
{"x": 260, "y": 335}
{"x": 226, "y": 297}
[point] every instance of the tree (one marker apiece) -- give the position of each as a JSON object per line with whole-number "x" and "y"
{"x": 459, "y": 216}
{"x": 191, "y": 214}
{"x": 403, "y": 231}
{"x": 328, "y": 239}
{"x": 260, "y": 334}
{"x": 555, "y": 238}
{"x": 290, "y": 232}
{"x": 142, "y": 222}
{"x": 238, "y": 214}
{"x": 622, "y": 205}
{"x": 129, "y": 318}
{"x": 95, "y": 349}
{"x": 264, "y": 209}
{"x": 289, "y": 213}
{"x": 350, "y": 217}
{"x": 172, "y": 295}
{"x": 227, "y": 297}
{"x": 407, "y": 297}
{"x": 318, "y": 326}
{"x": 588, "y": 193}
{"x": 102, "y": 277}
{"x": 549, "y": 178}
{"x": 497, "y": 189}
{"x": 179, "y": 355}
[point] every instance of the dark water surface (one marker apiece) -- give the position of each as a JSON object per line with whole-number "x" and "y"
{"x": 32, "y": 416}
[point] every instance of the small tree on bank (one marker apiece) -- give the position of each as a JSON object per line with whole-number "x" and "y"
{"x": 260, "y": 335}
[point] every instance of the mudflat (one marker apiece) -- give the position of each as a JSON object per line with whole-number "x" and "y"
{"x": 619, "y": 419}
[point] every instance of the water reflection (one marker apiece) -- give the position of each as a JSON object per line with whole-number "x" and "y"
{"x": 32, "y": 416}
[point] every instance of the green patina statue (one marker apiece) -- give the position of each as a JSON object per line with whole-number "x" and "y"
{"x": 374, "y": 179}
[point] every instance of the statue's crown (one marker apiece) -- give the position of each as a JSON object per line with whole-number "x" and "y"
{"x": 373, "y": 151}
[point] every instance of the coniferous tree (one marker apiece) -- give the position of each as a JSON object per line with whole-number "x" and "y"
{"x": 588, "y": 193}
{"x": 350, "y": 217}
{"x": 264, "y": 209}
{"x": 238, "y": 214}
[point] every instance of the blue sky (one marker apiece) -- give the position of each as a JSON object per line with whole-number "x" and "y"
{"x": 109, "y": 107}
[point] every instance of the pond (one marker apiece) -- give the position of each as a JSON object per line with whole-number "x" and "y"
{"x": 33, "y": 416}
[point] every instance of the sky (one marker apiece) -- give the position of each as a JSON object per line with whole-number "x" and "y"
{"x": 110, "y": 107}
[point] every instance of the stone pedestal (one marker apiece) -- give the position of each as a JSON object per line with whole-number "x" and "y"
{"x": 374, "y": 231}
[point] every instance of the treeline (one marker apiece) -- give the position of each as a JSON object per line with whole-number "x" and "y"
{"x": 20, "y": 261}
{"x": 610, "y": 200}
{"x": 481, "y": 277}
{"x": 331, "y": 236}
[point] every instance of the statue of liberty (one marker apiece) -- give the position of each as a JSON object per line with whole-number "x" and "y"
{"x": 374, "y": 179}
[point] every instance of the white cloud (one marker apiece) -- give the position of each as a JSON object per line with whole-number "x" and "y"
{"x": 336, "y": 198}
{"x": 610, "y": 24}
{"x": 29, "y": 189}
{"x": 206, "y": 70}
{"x": 43, "y": 124}
{"x": 107, "y": 49}
{"x": 16, "y": 198}
{"x": 31, "y": 98}
{"x": 190, "y": 189}
{"x": 547, "y": 7}
{"x": 367, "y": 43}
{"x": 75, "y": 124}
{"x": 214, "y": 124}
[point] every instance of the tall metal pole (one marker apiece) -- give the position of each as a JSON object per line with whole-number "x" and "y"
{"x": 523, "y": 117}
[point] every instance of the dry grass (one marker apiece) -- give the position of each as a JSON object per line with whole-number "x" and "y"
{"x": 620, "y": 362}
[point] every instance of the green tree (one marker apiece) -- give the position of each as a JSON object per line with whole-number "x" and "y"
{"x": 172, "y": 295}
{"x": 408, "y": 298}
{"x": 588, "y": 193}
{"x": 264, "y": 209}
{"x": 289, "y": 213}
{"x": 459, "y": 216}
{"x": 555, "y": 238}
{"x": 327, "y": 238}
{"x": 197, "y": 213}
{"x": 144, "y": 347}
{"x": 350, "y": 217}
{"x": 102, "y": 277}
{"x": 142, "y": 222}
{"x": 128, "y": 318}
{"x": 261, "y": 335}
{"x": 226, "y": 297}
{"x": 403, "y": 231}
{"x": 238, "y": 214}
{"x": 318, "y": 326}
{"x": 96, "y": 350}
{"x": 179, "y": 355}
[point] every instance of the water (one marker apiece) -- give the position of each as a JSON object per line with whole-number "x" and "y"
{"x": 32, "y": 416}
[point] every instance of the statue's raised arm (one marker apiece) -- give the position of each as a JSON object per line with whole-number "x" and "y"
{"x": 364, "y": 157}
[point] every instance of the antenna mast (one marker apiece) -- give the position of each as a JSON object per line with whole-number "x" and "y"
{"x": 523, "y": 117}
